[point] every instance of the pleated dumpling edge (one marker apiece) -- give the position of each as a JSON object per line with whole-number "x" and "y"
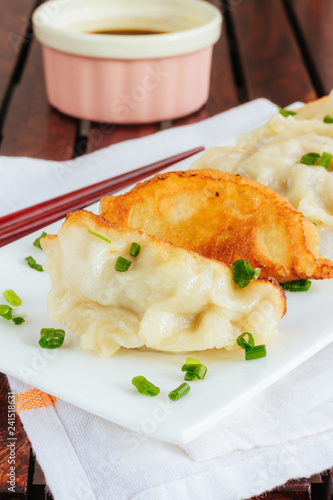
{"x": 168, "y": 299}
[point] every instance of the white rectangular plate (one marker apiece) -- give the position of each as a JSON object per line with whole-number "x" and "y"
{"x": 103, "y": 386}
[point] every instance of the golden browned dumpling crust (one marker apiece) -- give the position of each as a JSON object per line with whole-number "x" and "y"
{"x": 224, "y": 217}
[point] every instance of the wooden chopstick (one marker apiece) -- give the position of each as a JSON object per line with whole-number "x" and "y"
{"x": 22, "y": 222}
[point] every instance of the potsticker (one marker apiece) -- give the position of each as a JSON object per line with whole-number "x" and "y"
{"x": 119, "y": 287}
{"x": 225, "y": 217}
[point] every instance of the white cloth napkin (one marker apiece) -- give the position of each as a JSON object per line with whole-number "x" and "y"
{"x": 285, "y": 432}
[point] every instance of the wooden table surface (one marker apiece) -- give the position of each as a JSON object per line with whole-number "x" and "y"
{"x": 278, "y": 49}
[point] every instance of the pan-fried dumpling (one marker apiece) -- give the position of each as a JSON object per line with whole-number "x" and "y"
{"x": 225, "y": 217}
{"x": 317, "y": 109}
{"x": 306, "y": 120}
{"x": 280, "y": 128}
{"x": 169, "y": 299}
{"x": 276, "y": 164}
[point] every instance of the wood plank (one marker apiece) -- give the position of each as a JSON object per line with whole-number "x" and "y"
{"x": 21, "y": 448}
{"x": 102, "y": 135}
{"x": 327, "y": 477}
{"x": 15, "y": 17}
{"x": 295, "y": 489}
{"x": 32, "y": 128}
{"x": 314, "y": 20}
{"x": 271, "y": 59}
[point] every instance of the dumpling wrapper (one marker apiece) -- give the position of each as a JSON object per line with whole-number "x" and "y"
{"x": 224, "y": 217}
{"x": 276, "y": 164}
{"x": 317, "y": 109}
{"x": 308, "y": 121}
{"x": 271, "y": 155}
{"x": 169, "y": 299}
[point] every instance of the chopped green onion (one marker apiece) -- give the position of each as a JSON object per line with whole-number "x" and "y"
{"x": 122, "y": 264}
{"x": 36, "y": 243}
{"x": 197, "y": 369}
{"x": 259, "y": 351}
{"x": 243, "y": 273}
{"x": 285, "y": 112}
{"x": 144, "y": 386}
{"x": 325, "y": 160}
{"x": 180, "y": 392}
{"x": 328, "y": 119}
{"x": 189, "y": 376}
{"x": 12, "y": 298}
{"x": 315, "y": 159}
{"x": 200, "y": 372}
{"x": 18, "y": 320}
{"x": 310, "y": 158}
{"x": 99, "y": 236}
{"x": 188, "y": 367}
{"x": 194, "y": 369}
{"x": 51, "y": 338}
{"x": 33, "y": 264}
{"x": 251, "y": 351}
{"x": 242, "y": 343}
{"x": 192, "y": 361}
{"x": 135, "y": 249}
{"x": 6, "y": 312}
{"x": 296, "y": 285}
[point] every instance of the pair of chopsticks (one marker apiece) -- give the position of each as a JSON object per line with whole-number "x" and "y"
{"x": 18, "y": 224}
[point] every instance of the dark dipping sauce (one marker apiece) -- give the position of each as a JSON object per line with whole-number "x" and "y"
{"x": 129, "y": 31}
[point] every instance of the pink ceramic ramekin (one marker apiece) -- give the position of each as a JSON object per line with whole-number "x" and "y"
{"x": 127, "y": 78}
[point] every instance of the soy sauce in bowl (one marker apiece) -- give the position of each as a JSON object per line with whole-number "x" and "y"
{"x": 128, "y": 31}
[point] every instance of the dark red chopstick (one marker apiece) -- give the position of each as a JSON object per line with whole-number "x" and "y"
{"x": 18, "y": 224}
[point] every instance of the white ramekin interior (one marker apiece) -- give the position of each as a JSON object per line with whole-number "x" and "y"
{"x": 64, "y": 25}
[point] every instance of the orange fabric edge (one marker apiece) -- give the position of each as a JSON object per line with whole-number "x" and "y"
{"x": 33, "y": 399}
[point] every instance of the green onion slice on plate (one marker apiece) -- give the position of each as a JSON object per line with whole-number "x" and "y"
{"x": 180, "y": 392}
{"x": 259, "y": 351}
{"x": 51, "y": 338}
{"x": 251, "y": 351}
{"x": 249, "y": 344}
{"x": 12, "y": 298}
{"x": 192, "y": 361}
{"x": 190, "y": 376}
{"x": 6, "y": 312}
{"x": 196, "y": 371}
{"x": 18, "y": 320}
{"x": 33, "y": 264}
{"x": 144, "y": 386}
{"x": 36, "y": 243}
